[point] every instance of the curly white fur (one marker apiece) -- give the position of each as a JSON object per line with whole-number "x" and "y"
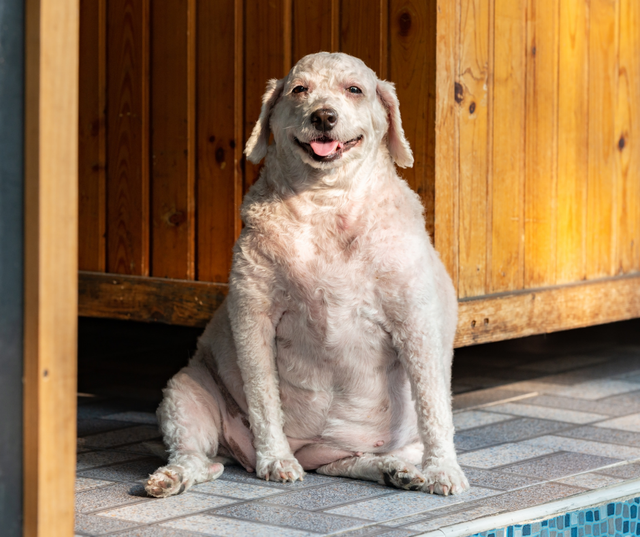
{"x": 336, "y": 337}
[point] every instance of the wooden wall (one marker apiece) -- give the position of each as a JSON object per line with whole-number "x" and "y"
{"x": 547, "y": 121}
{"x": 170, "y": 91}
{"x": 523, "y": 115}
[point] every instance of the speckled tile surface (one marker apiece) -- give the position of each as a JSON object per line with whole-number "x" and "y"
{"x": 162, "y": 509}
{"x": 518, "y": 449}
{"x": 558, "y": 465}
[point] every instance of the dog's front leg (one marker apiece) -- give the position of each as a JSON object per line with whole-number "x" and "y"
{"x": 253, "y": 321}
{"x": 426, "y": 357}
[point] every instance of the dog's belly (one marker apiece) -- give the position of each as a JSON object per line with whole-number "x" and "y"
{"x": 342, "y": 385}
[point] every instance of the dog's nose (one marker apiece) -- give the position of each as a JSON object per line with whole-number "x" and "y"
{"x": 324, "y": 119}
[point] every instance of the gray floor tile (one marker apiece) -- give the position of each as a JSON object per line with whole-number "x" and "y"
{"x": 148, "y": 418}
{"x": 626, "y": 471}
{"x": 546, "y": 413}
{"x": 138, "y": 470}
{"x": 558, "y": 443}
{"x": 161, "y": 509}
{"x": 602, "y": 434}
{"x": 626, "y": 402}
{"x": 84, "y": 483}
{"x": 155, "y": 531}
{"x": 496, "y": 480}
{"x": 625, "y": 423}
{"x": 94, "y": 426}
{"x": 466, "y": 443}
{"x": 106, "y": 497}
{"x": 603, "y": 407}
{"x": 403, "y": 504}
{"x": 558, "y": 465}
{"x": 229, "y": 527}
{"x": 530, "y": 496}
{"x": 515, "y": 430}
{"x": 590, "y": 481}
{"x": 289, "y": 517}
{"x": 377, "y": 531}
{"x": 455, "y": 518}
{"x": 484, "y": 397}
{"x": 93, "y": 459}
{"x": 329, "y": 495}
{"x": 503, "y": 454}
{"x": 232, "y": 489}
{"x": 477, "y": 418}
{"x": 95, "y": 525}
{"x": 129, "y": 435}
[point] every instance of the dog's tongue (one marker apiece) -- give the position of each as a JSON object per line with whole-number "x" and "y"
{"x": 322, "y": 149}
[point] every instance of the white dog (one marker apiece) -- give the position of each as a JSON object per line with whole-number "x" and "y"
{"x": 332, "y": 351}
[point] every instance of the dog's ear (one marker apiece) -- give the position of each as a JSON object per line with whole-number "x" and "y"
{"x": 398, "y": 145}
{"x": 256, "y": 147}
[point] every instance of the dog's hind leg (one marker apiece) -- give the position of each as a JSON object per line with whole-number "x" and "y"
{"x": 190, "y": 421}
{"x": 384, "y": 469}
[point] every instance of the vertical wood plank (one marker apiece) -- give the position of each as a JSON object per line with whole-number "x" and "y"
{"x": 219, "y": 144}
{"x": 92, "y": 145}
{"x": 412, "y": 63}
{"x": 128, "y": 137}
{"x": 446, "y": 194}
{"x": 172, "y": 179}
{"x": 267, "y": 53}
{"x": 507, "y": 189}
{"x": 601, "y": 238}
{"x": 628, "y": 134}
{"x": 541, "y": 143}
{"x": 312, "y": 22}
{"x": 573, "y": 140}
{"x": 363, "y": 32}
{"x": 473, "y": 111}
{"x": 51, "y": 266}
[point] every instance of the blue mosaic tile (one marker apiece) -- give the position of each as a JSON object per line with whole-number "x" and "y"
{"x": 613, "y": 518}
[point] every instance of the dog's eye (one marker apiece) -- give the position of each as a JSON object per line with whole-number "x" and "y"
{"x": 354, "y": 89}
{"x": 299, "y": 89}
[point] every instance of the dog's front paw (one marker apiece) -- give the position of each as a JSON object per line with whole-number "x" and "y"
{"x": 444, "y": 476}
{"x": 164, "y": 482}
{"x": 279, "y": 469}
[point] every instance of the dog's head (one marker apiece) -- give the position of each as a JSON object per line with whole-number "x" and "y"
{"x": 329, "y": 110}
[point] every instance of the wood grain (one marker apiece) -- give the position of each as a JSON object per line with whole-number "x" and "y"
{"x": 92, "y": 134}
{"x": 540, "y": 311}
{"x": 573, "y": 141}
{"x": 483, "y": 319}
{"x": 128, "y": 137}
{"x": 170, "y": 301}
{"x": 446, "y": 180}
{"x": 507, "y": 188}
{"x": 474, "y": 110}
{"x": 601, "y": 224}
{"x": 219, "y": 143}
{"x": 362, "y": 35}
{"x": 311, "y": 27}
{"x": 541, "y": 150}
{"x": 628, "y": 135}
{"x": 267, "y": 54}
{"x": 51, "y": 264}
{"x": 412, "y": 63}
{"x": 171, "y": 124}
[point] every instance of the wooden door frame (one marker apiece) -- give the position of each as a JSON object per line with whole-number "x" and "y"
{"x": 50, "y": 266}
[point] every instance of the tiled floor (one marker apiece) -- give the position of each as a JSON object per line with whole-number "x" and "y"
{"x": 540, "y": 429}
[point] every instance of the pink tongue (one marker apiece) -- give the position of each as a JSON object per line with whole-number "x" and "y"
{"x": 322, "y": 149}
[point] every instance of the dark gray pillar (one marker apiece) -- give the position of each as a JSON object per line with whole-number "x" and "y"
{"x": 11, "y": 262}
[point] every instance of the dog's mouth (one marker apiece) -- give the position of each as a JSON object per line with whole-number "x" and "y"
{"x": 326, "y": 149}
